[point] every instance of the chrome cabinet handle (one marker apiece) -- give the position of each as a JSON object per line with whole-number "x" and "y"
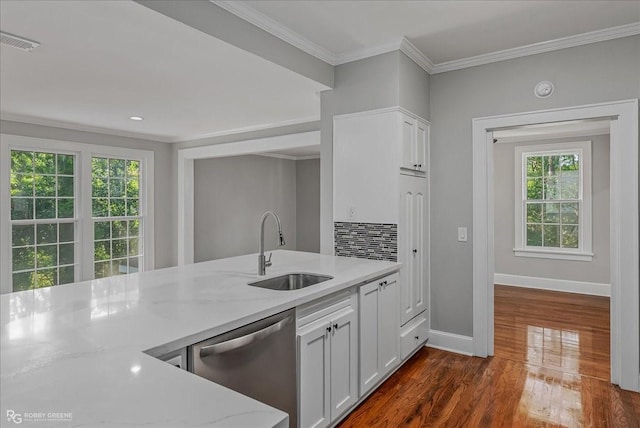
{"x": 239, "y": 342}
{"x": 335, "y": 326}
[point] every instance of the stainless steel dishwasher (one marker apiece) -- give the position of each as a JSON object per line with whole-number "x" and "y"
{"x": 257, "y": 360}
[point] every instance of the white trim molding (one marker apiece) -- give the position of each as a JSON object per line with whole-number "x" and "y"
{"x": 264, "y": 22}
{"x": 580, "y": 287}
{"x": 537, "y": 48}
{"x": 624, "y": 228}
{"x": 450, "y": 342}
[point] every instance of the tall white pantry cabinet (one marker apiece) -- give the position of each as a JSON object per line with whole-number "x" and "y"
{"x": 381, "y": 175}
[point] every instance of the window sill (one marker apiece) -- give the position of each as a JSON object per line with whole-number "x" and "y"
{"x": 551, "y": 254}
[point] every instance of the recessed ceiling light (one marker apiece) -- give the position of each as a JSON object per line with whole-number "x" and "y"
{"x": 136, "y": 118}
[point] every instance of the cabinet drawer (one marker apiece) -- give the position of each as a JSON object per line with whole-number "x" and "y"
{"x": 413, "y": 335}
{"x": 325, "y": 307}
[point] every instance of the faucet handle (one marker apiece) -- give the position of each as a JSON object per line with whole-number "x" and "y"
{"x": 267, "y": 262}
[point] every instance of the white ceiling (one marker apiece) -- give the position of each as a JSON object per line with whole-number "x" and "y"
{"x": 100, "y": 62}
{"x": 442, "y": 30}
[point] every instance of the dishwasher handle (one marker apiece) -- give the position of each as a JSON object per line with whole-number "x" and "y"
{"x": 239, "y": 342}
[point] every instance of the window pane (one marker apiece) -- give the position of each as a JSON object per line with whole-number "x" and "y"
{"x": 133, "y": 168}
{"x": 21, "y": 185}
{"x": 45, "y": 163}
{"x": 551, "y": 235}
{"x": 65, "y": 186}
{"x": 23, "y": 281}
{"x": 534, "y": 188}
{"x": 46, "y": 256}
{"x": 132, "y": 207}
{"x": 134, "y": 248}
{"x": 551, "y": 188}
{"x": 102, "y": 230}
{"x": 118, "y": 248}
{"x": 21, "y": 161}
{"x": 570, "y": 184}
{"x": 45, "y": 208}
{"x": 100, "y": 207}
{"x": 66, "y": 275}
{"x": 21, "y": 209}
{"x": 65, "y": 164}
{"x": 23, "y": 258}
{"x": 570, "y": 213}
{"x": 570, "y": 237}
{"x": 99, "y": 187}
{"x": 569, "y": 162}
{"x": 134, "y": 227}
{"x": 45, "y": 185}
{"x": 133, "y": 264}
{"x": 67, "y": 232}
{"x": 534, "y": 235}
{"x": 116, "y": 187}
{"x": 534, "y": 212}
{"x": 46, "y": 278}
{"x": 102, "y": 250}
{"x": 117, "y": 207}
{"x": 47, "y": 233}
{"x": 116, "y": 167}
{"x": 551, "y": 213}
{"x": 67, "y": 256}
{"x": 551, "y": 165}
{"x": 65, "y": 208}
{"x": 100, "y": 167}
{"x": 133, "y": 188}
{"x": 102, "y": 269}
{"x": 119, "y": 229}
{"x": 534, "y": 166}
{"x": 119, "y": 267}
{"x": 22, "y": 235}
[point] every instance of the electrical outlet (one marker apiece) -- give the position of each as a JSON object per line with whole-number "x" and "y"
{"x": 462, "y": 234}
{"x": 352, "y": 214}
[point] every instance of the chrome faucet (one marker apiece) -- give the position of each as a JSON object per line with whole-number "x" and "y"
{"x": 262, "y": 262}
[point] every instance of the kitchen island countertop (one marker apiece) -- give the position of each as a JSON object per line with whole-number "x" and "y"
{"x": 74, "y": 355}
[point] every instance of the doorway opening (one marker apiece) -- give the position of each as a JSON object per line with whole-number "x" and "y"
{"x": 623, "y": 227}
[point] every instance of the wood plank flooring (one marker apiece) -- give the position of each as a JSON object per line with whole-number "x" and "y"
{"x": 550, "y": 369}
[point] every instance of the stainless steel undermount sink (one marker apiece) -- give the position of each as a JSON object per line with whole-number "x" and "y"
{"x": 291, "y": 281}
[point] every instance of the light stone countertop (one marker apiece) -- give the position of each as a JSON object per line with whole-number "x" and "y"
{"x": 78, "y": 348}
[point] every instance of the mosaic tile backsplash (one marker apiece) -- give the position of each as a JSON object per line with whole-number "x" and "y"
{"x": 375, "y": 241}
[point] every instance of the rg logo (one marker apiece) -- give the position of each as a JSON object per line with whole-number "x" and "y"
{"x": 14, "y": 417}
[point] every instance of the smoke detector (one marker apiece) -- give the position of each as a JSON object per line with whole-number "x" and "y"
{"x": 17, "y": 42}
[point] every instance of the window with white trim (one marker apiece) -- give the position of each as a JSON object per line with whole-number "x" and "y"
{"x": 553, "y": 201}
{"x": 72, "y": 212}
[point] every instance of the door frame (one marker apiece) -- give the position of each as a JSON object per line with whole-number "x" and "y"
{"x": 624, "y": 240}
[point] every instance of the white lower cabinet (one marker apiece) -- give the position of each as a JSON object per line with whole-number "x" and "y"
{"x": 379, "y": 330}
{"x": 327, "y": 360}
{"x": 413, "y": 335}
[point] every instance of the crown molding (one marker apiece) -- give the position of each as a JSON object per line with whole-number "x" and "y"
{"x": 359, "y": 54}
{"x": 288, "y": 157}
{"x": 262, "y": 21}
{"x": 416, "y": 55}
{"x": 84, "y": 128}
{"x": 536, "y": 48}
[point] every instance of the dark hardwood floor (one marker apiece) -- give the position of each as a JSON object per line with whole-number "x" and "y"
{"x": 550, "y": 369}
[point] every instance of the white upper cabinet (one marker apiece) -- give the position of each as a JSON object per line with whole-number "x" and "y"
{"x": 415, "y": 135}
{"x": 370, "y": 149}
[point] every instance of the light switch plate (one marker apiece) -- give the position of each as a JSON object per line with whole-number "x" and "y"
{"x": 462, "y": 234}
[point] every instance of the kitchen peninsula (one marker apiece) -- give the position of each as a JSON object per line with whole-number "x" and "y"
{"x": 79, "y": 349}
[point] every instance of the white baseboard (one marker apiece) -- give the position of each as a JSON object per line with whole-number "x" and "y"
{"x": 592, "y": 288}
{"x": 450, "y": 342}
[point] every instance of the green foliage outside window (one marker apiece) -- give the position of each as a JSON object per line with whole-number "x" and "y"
{"x": 552, "y": 204}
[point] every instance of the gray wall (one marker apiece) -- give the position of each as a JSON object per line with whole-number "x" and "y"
{"x": 308, "y": 205}
{"x": 381, "y": 81}
{"x": 164, "y": 177}
{"x": 600, "y": 72}
{"x": 596, "y": 270}
{"x": 230, "y": 196}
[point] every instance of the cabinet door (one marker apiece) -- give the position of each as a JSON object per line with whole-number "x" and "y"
{"x": 408, "y": 135}
{"x": 421, "y": 253}
{"x": 314, "y": 376}
{"x": 406, "y": 237}
{"x": 344, "y": 363}
{"x": 369, "y": 362}
{"x": 422, "y": 142}
{"x": 388, "y": 324}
